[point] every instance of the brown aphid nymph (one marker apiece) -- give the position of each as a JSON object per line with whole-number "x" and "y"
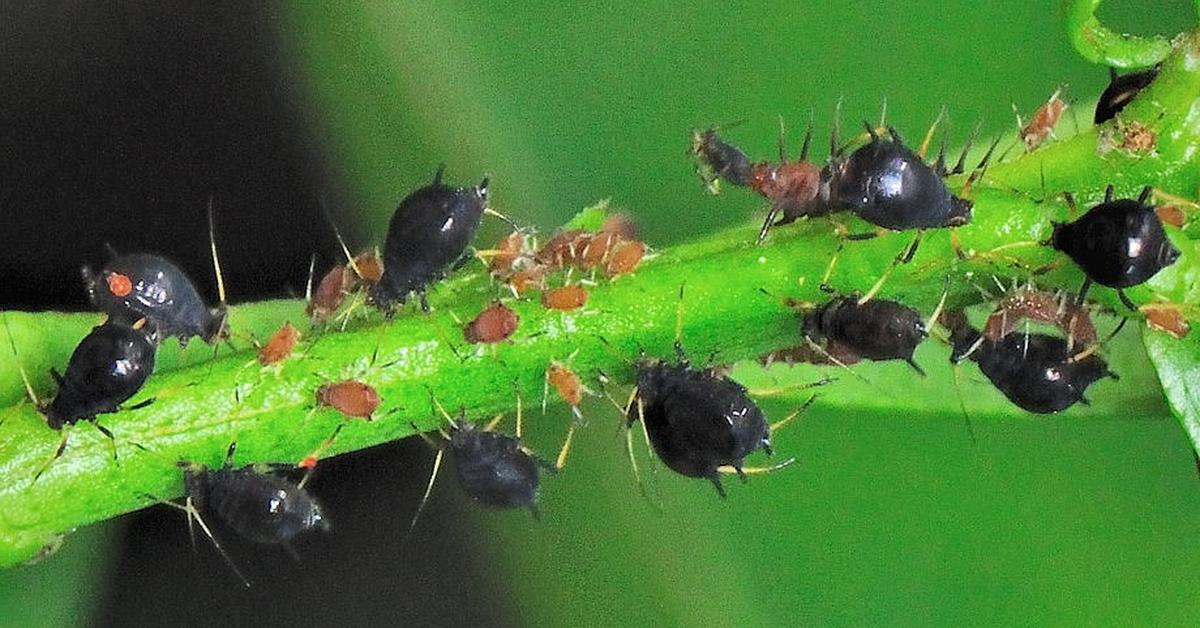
{"x": 1041, "y": 125}
{"x": 328, "y": 295}
{"x": 625, "y": 258}
{"x": 566, "y": 382}
{"x": 566, "y": 298}
{"x": 494, "y": 324}
{"x": 279, "y": 346}
{"x": 350, "y": 397}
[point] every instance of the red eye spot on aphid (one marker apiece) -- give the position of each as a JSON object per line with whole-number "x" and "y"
{"x": 494, "y": 324}
{"x": 279, "y": 346}
{"x": 309, "y": 462}
{"x": 351, "y": 398}
{"x": 565, "y": 298}
{"x": 119, "y": 285}
{"x": 625, "y": 258}
{"x": 566, "y": 382}
{"x": 1171, "y": 215}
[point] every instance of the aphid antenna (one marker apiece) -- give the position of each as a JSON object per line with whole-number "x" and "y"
{"x": 212, "y": 245}
{"x": 189, "y": 508}
{"x": 937, "y": 311}
{"x": 883, "y": 113}
{"x": 435, "y": 404}
{"x": 778, "y": 390}
{"x": 12, "y": 344}
{"x": 836, "y": 131}
{"x": 962, "y": 401}
{"x": 680, "y": 356}
{"x": 309, "y": 463}
{"x": 929, "y": 133}
{"x": 437, "y": 176}
{"x": 903, "y": 258}
{"x": 337, "y": 233}
{"x": 637, "y": 475}
{"x": 308, "y": 286}
{"x": 433, "y": 474}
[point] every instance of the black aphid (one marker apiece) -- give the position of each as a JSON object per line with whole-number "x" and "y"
{"x": 1120, "y": 91}
{"x": 1118, "y": 243}
{"x": 495, "y": 469}
{"x": 429, "y": 232}
{"x": 258, "y": 506}
{"x": 108, "y": 367}
{"x": 1038, "y": 372}
{"x": 152, "y": 287}
{"x": 716, "y": 158}
{"x": 698, "y": 420}
{"x": 888, "y": 185}
{"x": 877, "y": 329}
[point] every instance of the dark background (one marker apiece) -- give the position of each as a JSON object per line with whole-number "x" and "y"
{"x": 118, "y": 122}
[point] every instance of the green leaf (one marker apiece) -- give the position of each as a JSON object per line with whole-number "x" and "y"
{"x": 1178, "y": 363}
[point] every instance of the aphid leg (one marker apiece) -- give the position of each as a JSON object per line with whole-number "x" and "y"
{"x": 834, "y": 360}
{"x": 679, "y": 354}
{"x": 309, "y": 463}
{"x": 1125, "y": 299}
{"x": 491, "y": 212}
{"x": 561, "y": 461}
{"x": 1082, "y": 355}
{"x": 781, "y": 423}
{"x": 768, "y": 222}
{"x": 836, "y": 131}
{"x": 961, "y": 164}
{"x": 715, "y": 478}
{"x": 808, "y": 133}
{"x": 112, "y": 441}
{"x": 437, "y": 465}
{"x": 193, "y": 512}
{"x": 903, "y": 258}
{"x": 58, "y": 452}
{"x": 962, "y": 401}
{"x": 1083, "y": 290}
{"x": 219, "y": 325}
{"x": 742, "y": 472}
{"x": 424, "y": 300}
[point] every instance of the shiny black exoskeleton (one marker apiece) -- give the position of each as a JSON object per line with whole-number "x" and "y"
{"x": 888, "y": 185}
{"x": 494, "y": 469}
{"x": 876, "y": 330}
{"x": 1118, "y": 243}
{"x": 429, "y": 232}
{"x": 108, "y": 367}
{"x": 260, "y": 507}
{"x": 698, "y": 420}
{"x": 143, "y": 285}
{"x": 717, "y": 158}
{"x": 1038, "y": 372}
{"x": 1120, "y": 91}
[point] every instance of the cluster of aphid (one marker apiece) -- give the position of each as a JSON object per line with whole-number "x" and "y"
{"x": 699, "y": 421}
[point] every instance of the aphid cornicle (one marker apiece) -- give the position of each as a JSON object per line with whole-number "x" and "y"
{"x": 697, "y": 420}
{"x": 1117, "y": 243}
{"x": 429, "y": 232}
{"x": 109, "y": 366}
{"x": 877, "y": 329}
{"x": 152, "y": 287}
{"x": 1120, "y": 92}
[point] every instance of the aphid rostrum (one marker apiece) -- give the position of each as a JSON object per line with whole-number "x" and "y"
{"x": 428, "y": 233}
{"x": 1118, "y": 243}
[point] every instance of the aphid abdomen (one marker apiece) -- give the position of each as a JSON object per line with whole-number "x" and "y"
{"x": 876, "y": 330}
{"x": 493, "y": 469}
{"x": 1035, "y": 371}
{"x": 154, "y": 288}
{"x": 261, "y": 508}
{"x": 1118, "y": 244}
{"x": 429, "y": 231}
{"x": 110, "y": 365}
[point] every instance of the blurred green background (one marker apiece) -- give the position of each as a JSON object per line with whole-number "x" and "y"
{"x": 892, "y": 516}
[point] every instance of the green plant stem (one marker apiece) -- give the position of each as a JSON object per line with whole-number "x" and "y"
{"x": 1100, "y": 45}
{"x": 733, "y": 309}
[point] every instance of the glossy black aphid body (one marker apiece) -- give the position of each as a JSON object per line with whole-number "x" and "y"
{"x": 108, "y": 367}
{"x": 1037, "y": 372}
{"x": 720, "y": 158}
{"x": 698, "y": 421}
{"x": 1118, "y": 243}
{"x": 876, "y": 330}
{"x": 889, "y": 185}
{"x": 494, "y": 469}
{"x": 261, "y": 508}
{"x": 143, "y": 285}
{"x": 1120, "y": 91}
{"x": 429, "y": 232}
